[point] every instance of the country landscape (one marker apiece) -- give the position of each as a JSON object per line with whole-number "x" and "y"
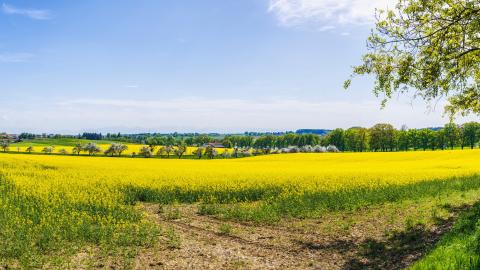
{"x": 223, "y": 149}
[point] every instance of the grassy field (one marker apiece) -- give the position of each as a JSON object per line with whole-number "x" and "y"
{"x": 52, "y": 207}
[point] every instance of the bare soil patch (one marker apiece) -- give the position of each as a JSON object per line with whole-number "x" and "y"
{"x": 376, "y": 238}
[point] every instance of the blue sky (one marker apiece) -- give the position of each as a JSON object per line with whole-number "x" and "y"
{"x": 214, "y": 65}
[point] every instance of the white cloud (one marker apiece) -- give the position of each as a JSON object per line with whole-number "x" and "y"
{"x": 15, "y": 57}
{"x": 36, "y": 14}
{"x": 325, "y": 12}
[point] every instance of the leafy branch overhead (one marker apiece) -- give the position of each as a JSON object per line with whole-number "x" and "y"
{"x": 432, "y": 46}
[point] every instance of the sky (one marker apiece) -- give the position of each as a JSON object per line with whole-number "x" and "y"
{"x": 191, "y": 66}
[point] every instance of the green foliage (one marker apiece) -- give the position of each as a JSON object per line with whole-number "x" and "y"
{"x": 174, "y": 241}
{"x": 382, "y": 137}
{"x": 429, "y": 46}
{"x": 225, "y": 229}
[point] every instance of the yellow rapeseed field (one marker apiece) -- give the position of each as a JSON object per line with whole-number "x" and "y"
{"x": 46, "y": 200}
{"x": 132, "y": 148}
{"x": 45, "y": 173}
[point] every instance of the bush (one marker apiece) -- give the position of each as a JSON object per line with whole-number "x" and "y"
{"x": 332, "y": 149}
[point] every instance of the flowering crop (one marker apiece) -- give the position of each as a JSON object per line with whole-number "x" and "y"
{"x": 46, "y": 200}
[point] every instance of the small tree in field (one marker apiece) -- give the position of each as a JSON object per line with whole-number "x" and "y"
{"x": 78, "y": 149}
{"x": 146, "y": 152}
{"x": 29, "y": 149}
{"x": 235, "y": 151}
{"x": 48, "y": 149}
{"x": 91, "y": 148}
{"x": 5, "y": 146}
{"x": 115, "y": 149}
{"x": 180, "y": 150}
{"x": 63, "y": 151}
{"x": 121, "y": 148}
{"x": 168, "y": 150}
{"x": 211, "y": 152}
{"x": 198, "y": 152}
{"x": 110, "y": 151}
{"x": 161, "y": 151}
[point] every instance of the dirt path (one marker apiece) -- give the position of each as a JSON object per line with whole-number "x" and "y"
{"x": 192, "y": 241}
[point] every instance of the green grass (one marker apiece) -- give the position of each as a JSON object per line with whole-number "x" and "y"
{"x": 272, "y": 203}
{"x": 458, "y": 249}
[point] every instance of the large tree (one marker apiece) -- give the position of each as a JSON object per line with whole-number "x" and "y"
{"x": 431, "y": 47}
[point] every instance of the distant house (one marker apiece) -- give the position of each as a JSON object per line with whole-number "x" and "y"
{"x": 214, "y": 144}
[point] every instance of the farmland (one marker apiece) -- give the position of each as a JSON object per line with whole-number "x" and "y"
{"x": 58, "y": 207}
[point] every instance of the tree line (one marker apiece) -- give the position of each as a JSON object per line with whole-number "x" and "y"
{"x": 384, "y": 137}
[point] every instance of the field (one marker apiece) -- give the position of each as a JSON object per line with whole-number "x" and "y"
{"x": 336, "y": 210}
{"x": 68, "y": 144}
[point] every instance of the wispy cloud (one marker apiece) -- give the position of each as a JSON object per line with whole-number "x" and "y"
{"x": 325, "y": 12}
{"x": 131, "y": 86}
{"x": 199, "y": 114}
{"x": 36, "y": 14}
{"x": 15, "y": 57}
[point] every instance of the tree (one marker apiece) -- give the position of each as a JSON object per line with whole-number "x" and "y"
{"x": 337, "y": 138}
{"x": 382, "y": 137}
{"x": 29, "y": 149}
{"x": 426, "y": 137}
{"x": 235, "y": 151}
{"x": 5, "y": 146}
{"x": 198, "y": 152}
{"x": 77, "y": 149}
{"x": 168, "y": 150}
{"x": 414, "y": 139}
{"x": 48, "y": 149}
{"x": 451, "y": 134}
{"x": 146, "y": 152}
{"x": 227, "y": 142}
{"x": 63, "y": 151}
{"x": 356, "y": 139}
{"x": 121, "y": 148}
{"x": 161, "y": 151}
{"x": 471, "y": 133}
{"x": 180, "y": 150}
{"x": 211, "y": 152}
{"x": 153, "y": 142}
{"x": 91, "y": 148}
{"x": 265, "y": 142}
{"x": 429, "y": 46}
{"x": 403, "y": 140}
{"x": 116, "y": 149}
{"x": 441, "y": 139}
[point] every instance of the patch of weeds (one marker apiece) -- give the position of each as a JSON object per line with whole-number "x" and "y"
{"x": 172, "y": 213}
{"x": 174, "y": 240}
{"x": 225, "y": 229}
{"x": 347, "y": 224}
{"x": 208, "y": 209}
{"x": 409, "y": 223}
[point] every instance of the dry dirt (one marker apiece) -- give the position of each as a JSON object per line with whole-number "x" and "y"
{"x": 375, "y": 240}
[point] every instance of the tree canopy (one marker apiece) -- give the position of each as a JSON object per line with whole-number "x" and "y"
{"x": 430, "y": 48}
